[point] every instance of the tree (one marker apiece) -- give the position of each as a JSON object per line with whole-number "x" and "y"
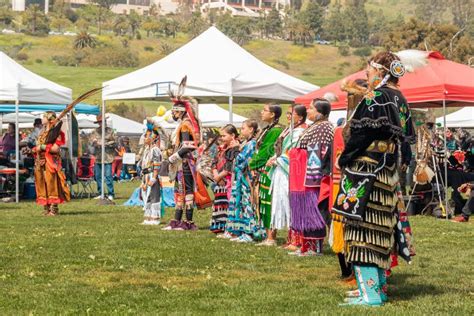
{"x": 449, "y": 39}
{"x": 313, "y": 17}
{"x": 151, "y": 26}
{"x": 430, "y": 11}
{"x": 6, "y": 14}
{"x": 84, "y": 40}
{"x": 134, "y": 21}
{"x": 462, "y": 11}
{"x": 237, "y": 28}
{"x": 59, "y": 23}
{"x": 299, "y": 31}
{"x": 334, "y": 25}
{"x": 121, "y": 25}
{"x": 272, "y": 23}
{"x": 35, "y": 20}
{"x": 103, "y": 10}
{"x": 196, "y": 24}
{"x": 355, "y": 16}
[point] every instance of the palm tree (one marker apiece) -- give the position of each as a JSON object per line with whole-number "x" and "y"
{"x": 83, "y": 40}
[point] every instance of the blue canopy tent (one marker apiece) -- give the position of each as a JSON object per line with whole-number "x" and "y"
{"x": 83, "y": 108}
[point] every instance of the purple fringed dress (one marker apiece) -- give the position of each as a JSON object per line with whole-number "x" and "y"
{"x": 309, "y": 162}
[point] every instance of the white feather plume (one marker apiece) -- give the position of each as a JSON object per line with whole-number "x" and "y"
{"x": 331, "y": 97}
{"x": 413, "y": 58}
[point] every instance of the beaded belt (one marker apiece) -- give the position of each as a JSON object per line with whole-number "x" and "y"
{"x": 382, "y": 146}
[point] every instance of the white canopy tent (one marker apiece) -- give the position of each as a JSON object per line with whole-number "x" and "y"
{"x": 17, "y": 84}
{"x": 461, "y": 118}
{"x": 218, "y": 70}
{"x": 210, "y": 115}
{"x": 121, "y": 125}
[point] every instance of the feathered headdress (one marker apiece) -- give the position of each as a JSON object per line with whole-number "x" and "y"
{"x": 413, "y": 58}
{"x": 185, "y": 104}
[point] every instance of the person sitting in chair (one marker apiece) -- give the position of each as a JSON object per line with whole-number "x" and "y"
{"x": 469, "y": 207}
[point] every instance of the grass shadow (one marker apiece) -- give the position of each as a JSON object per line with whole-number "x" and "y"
{"x": 74, "y": 213}
{"x": 402, "y": 290}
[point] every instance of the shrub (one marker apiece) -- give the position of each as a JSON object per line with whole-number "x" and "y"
{"x": 344, "y": 50}
{"x": 282, "y": 62}
{"x": 148, "y": 49}
{"x": 111, "y": 57}
{"x": 307, "y": 74}
{"x": 38, "y": 61}
{"x": 363, "y": 51}
{"x": 22, "y": 56}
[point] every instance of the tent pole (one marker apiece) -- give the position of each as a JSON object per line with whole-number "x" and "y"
{"x": 231, "y": 105}
{"x": 103, "y": 151}
{"x": 445, "y": 160}
{"x": 17, "y": 146}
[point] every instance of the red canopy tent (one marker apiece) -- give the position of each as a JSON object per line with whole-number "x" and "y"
{"x": 440, "y": 80}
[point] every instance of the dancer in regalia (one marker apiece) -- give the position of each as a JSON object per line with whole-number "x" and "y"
{"x": 367, "y": 197}
{"x": 310, "y": 168}
{"x": 242, "y": 220}
{"x": 50, "y": 181}
{"x": 151, "y": 192}
{"x": 262, "y": 198}
{"x": 222, "y": 170}
{"x": 280, "y": 166}
{"x": 183, "y": 160}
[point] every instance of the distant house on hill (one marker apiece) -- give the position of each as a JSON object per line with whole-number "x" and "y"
{"x": 250, "y": 8}
{"x": 123, "y": 6}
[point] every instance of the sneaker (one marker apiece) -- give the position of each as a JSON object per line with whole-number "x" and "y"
{"x": 146, "y": 222}
{"x": 460, "y": 219}
{"x": 245, "y": 239}
{"x": 111, "y": 197}
{"x": 154, "y": 222}
{"x": 235, "y": 238}
{"x": 97, "y": 197}
{"x": 225, "y": 235}
{"x": 267, "y": 243}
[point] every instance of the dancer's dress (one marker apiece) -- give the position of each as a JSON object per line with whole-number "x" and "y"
{"x": 242, "y": 218}
{"x": 224, "y": 162}
{"x": 50, "y": 181}
{"x": 309, "y": 170}
{"x": 380, "y": 121}
{"x": 151, "y": 194}
{"x": 281, "y": 215}
{"x": 265, "y": 150}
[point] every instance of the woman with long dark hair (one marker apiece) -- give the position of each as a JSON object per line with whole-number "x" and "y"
{"x": 264, "y": 150}
{"x": 279, "y": 164}
{"x": 368, "y": 194}
{"x": 310, "y": 167}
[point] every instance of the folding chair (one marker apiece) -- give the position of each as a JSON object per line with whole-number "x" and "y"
{"x": 85, "y": 176}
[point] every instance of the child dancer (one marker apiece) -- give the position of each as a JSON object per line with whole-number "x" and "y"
{"x": 222, "y": 172}
{"x": 242, "y": 220}
{"x": 151, "y": 186}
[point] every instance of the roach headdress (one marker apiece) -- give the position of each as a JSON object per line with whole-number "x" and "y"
{"x": 185, "y": 104}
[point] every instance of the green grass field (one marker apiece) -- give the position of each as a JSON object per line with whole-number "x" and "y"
{"x": 98, "y": 260}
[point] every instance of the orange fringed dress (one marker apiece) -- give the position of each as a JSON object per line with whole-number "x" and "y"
{"x": 50, "y": 181}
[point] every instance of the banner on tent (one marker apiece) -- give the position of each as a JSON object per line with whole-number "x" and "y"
{"x": 162, "y": 88}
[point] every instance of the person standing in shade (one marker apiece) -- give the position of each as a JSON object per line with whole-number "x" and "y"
{"x": 110, "y": 145}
